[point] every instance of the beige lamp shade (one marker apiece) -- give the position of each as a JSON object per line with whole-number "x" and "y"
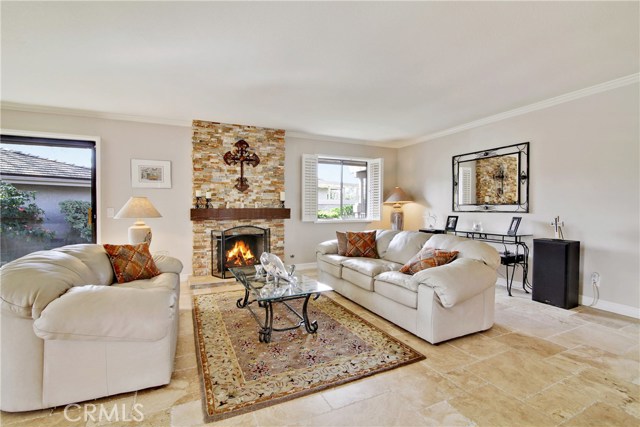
{"x": 138, "y": 207}
{"x": 397, "y": 197}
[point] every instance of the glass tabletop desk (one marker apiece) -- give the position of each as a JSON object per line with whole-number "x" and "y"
{"x": 266, "y": 292}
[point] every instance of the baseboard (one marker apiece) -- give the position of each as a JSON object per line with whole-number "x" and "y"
{"x": 612, "y": 307}
{"x": 307, "y": 266}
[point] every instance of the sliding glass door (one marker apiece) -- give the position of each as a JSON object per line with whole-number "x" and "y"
{"x": 47, "y": 192}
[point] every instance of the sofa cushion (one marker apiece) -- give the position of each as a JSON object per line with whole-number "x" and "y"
{"x": 396, "y": 293}
{"x": 108, "y": 313}
{"x": 398, "y": 279}
{"x": 383, "y": 238}
{"x": 404, "y": 245}
{"x": 369, "y": 267}
{"x": 467, "y": 248}
{"x": 163, "y": 280}
{"x": 427, "y": 258}
{"x": 333, "y": 259}
{"x": 93, "y": 256}
{"x": 358, "y": 279}
{"x": 457, "y": 281}
{"x": 342, "y": 243}
{"x": 30, "y": 283}
{"x": 361, "y": 244}
{"x": 361, "y": 271}
{"x": 167, "y": 264}
{"x": 331, "y": 264}
{"x": 328, "y": 247}
{"x": 131, "y": 262}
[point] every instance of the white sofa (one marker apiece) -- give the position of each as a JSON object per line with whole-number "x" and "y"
{"x": 436, "y": 304}
{"x": 69, "y": 336}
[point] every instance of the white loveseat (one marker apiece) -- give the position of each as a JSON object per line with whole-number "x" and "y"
{"x": 68, "y": 335}
{"x": 436, "y": 304}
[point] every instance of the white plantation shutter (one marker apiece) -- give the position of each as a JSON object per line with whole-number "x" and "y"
{"x": 374, "y": 179}
{"x": 309, "y": 187}
{"x": 465, "y": 186}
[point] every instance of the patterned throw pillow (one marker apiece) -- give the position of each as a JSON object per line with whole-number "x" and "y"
{"x": 342, "y": 243}
{"x": 362, "y": 244}
{"x": 427, "y": 258}
{"x": 131, "y": 262}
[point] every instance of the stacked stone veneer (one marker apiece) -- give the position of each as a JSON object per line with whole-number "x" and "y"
{"x": 211, "y": 141}
{"x": 487, "y": 186}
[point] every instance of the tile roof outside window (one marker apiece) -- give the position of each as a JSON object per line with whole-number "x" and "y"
{"x": 17, "y": 163}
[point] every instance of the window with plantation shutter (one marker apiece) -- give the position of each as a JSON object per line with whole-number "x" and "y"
{"x": 375, "y": 189}
{"x": 341, "y": 189}
{"x": 309, "y": 187}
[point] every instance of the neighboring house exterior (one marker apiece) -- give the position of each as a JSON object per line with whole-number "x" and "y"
{"x": 329, "y": 194}
{"x": 53, "y": 182}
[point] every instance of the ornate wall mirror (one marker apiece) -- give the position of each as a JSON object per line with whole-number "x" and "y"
{"x": 495, "y": 180}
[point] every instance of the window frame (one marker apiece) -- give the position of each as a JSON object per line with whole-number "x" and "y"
{"x": 309, "y": 191}
{"x": 69, "y": 140}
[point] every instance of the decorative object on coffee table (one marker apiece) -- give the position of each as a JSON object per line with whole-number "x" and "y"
{"x": 240, "y": 375}
{"x": 241, "y": 155}
{"x": 274, "y": 267}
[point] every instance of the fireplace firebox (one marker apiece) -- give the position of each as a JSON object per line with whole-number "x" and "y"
{"x": 237, "y": 247}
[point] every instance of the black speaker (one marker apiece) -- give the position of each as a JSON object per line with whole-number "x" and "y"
{"x": 556, "y": 272}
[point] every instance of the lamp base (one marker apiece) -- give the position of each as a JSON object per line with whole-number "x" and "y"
{"x": 397, "y": 220}
{"x": 139, "y": 233}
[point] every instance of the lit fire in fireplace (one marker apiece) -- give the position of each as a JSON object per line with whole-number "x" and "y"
{"x": 240, "y": 255}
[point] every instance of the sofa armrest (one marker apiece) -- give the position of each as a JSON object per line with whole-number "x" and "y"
{"x": 167, "y": 264}
{"x": 457, "y": 281}
{"x": 108, "y": 313}
{"x": 328, "y": 247}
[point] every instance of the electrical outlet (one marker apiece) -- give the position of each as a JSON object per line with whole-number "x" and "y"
{"x": 110, "y": 212}
{"x": 595, "y": 278}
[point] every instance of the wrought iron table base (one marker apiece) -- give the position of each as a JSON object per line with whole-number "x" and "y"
{"x": 266, "y": 327}
{"x": 526, "y": 286}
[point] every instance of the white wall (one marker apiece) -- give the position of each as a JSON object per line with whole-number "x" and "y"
{"x": 584, "y": 165}
{"x": 122, "y": 141}
{"x": 301, "y": 238}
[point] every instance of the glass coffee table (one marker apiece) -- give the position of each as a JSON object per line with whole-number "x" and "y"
{"x": 257, "y": 289}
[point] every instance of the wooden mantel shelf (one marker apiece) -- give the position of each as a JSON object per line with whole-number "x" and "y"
{"x": 240, "y": 213}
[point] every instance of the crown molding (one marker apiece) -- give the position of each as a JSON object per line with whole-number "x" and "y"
{"x": 93, "y": 114}
{"x": 592, "y": 90}
{"x": 567, "y": 97}
{"x": 338, "y": 139}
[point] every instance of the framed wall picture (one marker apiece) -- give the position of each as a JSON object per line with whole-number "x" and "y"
{"x": 452, "y": 223}
{"x": 515, "y": 223}
{"x": 150, "y": 173}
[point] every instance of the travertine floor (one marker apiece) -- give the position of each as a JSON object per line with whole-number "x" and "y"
{"x": 538, "y": 366}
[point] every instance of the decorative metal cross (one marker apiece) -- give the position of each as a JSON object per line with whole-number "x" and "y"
{"x": 241, "y": 155}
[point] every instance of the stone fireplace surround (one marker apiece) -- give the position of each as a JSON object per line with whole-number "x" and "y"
{"x": 210, "y": 140}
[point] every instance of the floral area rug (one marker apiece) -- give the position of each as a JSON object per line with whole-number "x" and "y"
{"x": 240, "y": 374}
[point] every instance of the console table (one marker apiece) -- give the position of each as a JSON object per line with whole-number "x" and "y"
{"x": 509, "y": 259}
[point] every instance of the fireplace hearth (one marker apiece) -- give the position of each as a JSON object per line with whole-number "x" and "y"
{"x": 236, "y": 247}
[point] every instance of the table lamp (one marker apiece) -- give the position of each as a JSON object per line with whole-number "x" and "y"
{"x": 138, "y": 207}
{"x": 398, "y": 198}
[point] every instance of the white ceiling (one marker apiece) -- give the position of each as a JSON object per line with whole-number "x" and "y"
{"x": 374, "y": 71}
